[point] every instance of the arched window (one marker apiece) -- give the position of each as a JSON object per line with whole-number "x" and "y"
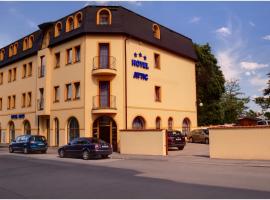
{"x": 10, "y": 50}
{"x": 2, "y": 54}
{"x": 15, "y": 50}
{"x": 138, "y": 123}
{"x": 56, "y": 131}
{"x": 158, "y": 123}
{"x": 186, "y": 126}
{"x": 170, "y": 123}
{"x": 11, "y": 129}
{"x": 25, "y": 43}
{"x": 57, "y": 29}
{"x": 104, "y": 17}
{"x": 69, "y": 24}
{"x": 78, "y": 20}
{"x": 26, "y": 127}
{"x": 156, "y": 31}
{"x": 31, "y": 41}
{"x": 73, "y": 128}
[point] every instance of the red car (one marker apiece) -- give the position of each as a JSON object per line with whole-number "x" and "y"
{"x": 176, "y": 139}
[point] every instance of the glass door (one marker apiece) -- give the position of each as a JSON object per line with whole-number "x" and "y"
{"x": 104, "y": 55}
{"x": 104, "y": 94}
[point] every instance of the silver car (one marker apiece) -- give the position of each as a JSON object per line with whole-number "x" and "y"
{"x": 199, "y": 135}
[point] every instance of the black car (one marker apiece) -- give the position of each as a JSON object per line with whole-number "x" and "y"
{"x": 29, "y": 143}
{"x": 176, "y": 139}
{"x": 85, "y": 148}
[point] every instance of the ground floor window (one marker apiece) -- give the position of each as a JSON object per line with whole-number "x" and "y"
{"x": 170, "y": 123}
{"x": 158, "y": 123}
{"x": 11, "y": 130}
{"x": 73, "y": 128}
{"x": 138, "y": 123}
{"x": 26, "y": 127}
{"x": 186, "y": 126}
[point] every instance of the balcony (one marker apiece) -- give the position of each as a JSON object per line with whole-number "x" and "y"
{"x": 40, "y": 104}
{"x": 104, "y": 104}
{"x": 104, "y": 66}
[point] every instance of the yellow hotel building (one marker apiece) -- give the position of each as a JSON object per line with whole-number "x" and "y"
{"x": 95, "y": 72}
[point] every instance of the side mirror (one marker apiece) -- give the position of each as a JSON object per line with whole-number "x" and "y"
{"x": 69, "y": 143}
{"x": 13, "y": 141}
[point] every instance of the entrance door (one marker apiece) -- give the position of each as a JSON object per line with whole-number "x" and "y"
{"x": 104, "y": 55}
{"x": 105, "y": 128}
{"x": 104, "y": 92}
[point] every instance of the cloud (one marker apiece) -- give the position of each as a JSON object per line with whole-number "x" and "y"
{"x": 266, "y": 37}
{"x": 247, "y": 73}
{"x": 252, "y": 65}
{"x": 194, "y": 19}
{"x": 224, "y": 31}
{"x": 258, "y": 81}
{"x": 251, "y": 24}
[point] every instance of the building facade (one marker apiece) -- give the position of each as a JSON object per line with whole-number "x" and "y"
{"x": 93, "y": 73}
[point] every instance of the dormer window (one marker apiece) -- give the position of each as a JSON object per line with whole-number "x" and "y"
{"x": 31, "y": 41}
{"x": 156, "y": 31}
{"x": 57, "y": 29}
{"x": 25, "y": 44}
{"x": 104, "y": 17}
{"x": 2, "y": 54}
{"x": 10, "y": 51}
{"x": 15, "y": 48}
{"x": 78, "y": 20}
{"x": 69, "y": 24}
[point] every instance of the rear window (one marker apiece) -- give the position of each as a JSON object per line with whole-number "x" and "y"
{"x": 38, "y": 138}
{"x": 96, "y": 140}
{"x": 206, "y": 131}
{"x": 174, "y": 133}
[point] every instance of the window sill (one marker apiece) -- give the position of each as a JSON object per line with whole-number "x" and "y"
{"x": 67, "y": 64}
{"x": 75, "y": 62}
{"x": 76, "y": 98}
{"x": 67, "y": 100}
{"x": 56, "y": 101}
{"x": 57, "y": 66}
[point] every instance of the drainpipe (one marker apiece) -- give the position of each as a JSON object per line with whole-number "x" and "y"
{"x": 126, "y": 82}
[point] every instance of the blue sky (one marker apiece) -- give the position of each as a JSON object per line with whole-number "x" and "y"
{"x": 238, "y": 32}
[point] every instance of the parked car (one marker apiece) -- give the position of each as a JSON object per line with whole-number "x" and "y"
{"x": 29, "y": 143}
{"x": 263, "y": 122}
{"x": 85, "y": 148}
{"x": 176, "y": 139}
{"x": 199, "y": 135}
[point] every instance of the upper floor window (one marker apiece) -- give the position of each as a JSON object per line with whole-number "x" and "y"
{"x": 24, "y": 71}
{"x": 10, "y": 51}
{"x": 68, "y": 92}
{"x": 42, "y": 66}
{"x": 57, "y": 29}
{"x": 31, "y": 41}
{"x": 25, "y": 43}
{"x": 56, "y": 94}
{"x": 104, "y": 17}
{"x": 156, "y": 31}
{"x": 9, "y": 75}
{"x": 77, "y": 90}
{"x": 23, "y": 100}
{"x": 14, "y": 74}
{"x": 57, "y": 60}
{"x": 157, "y": 94}
{"x": 2, "y": 54}
{"x": 1, "y": 78}
{"x": 157, "y": 61}
{"x": 29, "y": 99}
{"x": 30, "y": 68}
{"x": 69, "y": 24}
{"x": 69, "y": 56}
{"x": 78, "y": 20}
{"x": 1, "y": 101}
{"x": 15, "y": 48}
{"x": 77, "y": 54}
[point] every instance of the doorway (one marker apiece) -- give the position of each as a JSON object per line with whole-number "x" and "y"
{"x": 105, "y": 129}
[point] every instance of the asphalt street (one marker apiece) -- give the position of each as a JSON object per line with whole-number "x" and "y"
{"x": 186, "y": 174}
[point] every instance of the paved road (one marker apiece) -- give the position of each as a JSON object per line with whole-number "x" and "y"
{"x": 183, "y": 174}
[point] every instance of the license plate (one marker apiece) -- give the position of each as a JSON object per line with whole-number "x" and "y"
{"x": 104, "y": 146}
{"x": 40, "y": 144}
{"x": 178, "y": 139}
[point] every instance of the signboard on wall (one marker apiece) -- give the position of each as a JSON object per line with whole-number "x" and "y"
{"x": 18, "y": 116}
{"x": 140, "y": 61}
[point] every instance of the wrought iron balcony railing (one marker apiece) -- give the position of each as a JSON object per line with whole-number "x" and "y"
{"x": 104, "y": 102}
{"x": 104, "y": 62}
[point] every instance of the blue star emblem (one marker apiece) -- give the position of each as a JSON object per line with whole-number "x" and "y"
{"x": 144, "y": 58}
{"x": 135, "y": 55}
{"x": 140, "y": 54}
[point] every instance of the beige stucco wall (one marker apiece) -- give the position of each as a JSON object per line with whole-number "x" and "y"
{"x": 240, "y": 143}
{"x": 143, "y": 142}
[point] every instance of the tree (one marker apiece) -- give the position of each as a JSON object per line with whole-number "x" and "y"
{"x": 233, "y": 102}
{"x": 251, "y": 113}
{"x": 267, "y": 90}
{"x": 209, "y": 85}
{"x": 264, "y": 101}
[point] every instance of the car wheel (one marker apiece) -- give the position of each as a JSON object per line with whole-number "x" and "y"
{"x": 206, "y": 141}
{"x": 44, "y": 151}
{"x": 105, "y": 156}
{"x": 180, "y": 148}
{"x": 62, "y": 153}
{"x": 25, "y": 150}
{"x": 85, "y": 155}
{"x": 191, "y": 140}
{"x": 11, "y": 150}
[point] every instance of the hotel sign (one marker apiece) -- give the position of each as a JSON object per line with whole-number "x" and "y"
{"x": 137, "y": 62}
{"x": 19, "y": 116}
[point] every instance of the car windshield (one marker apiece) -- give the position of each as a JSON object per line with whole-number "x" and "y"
{"x": 38, "y": 138}
{"x": 174, "y": 133}
{"x": 98, "y": 141}
{"x": 206, "y": 131}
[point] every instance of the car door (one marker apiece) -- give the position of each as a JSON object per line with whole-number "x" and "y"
{"x": 15, "y": 145}
{"x": 71, "y": 148}
{"x": 78, "y": 148}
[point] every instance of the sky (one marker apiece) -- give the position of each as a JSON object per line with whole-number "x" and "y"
{"x": 238, "y": 32}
